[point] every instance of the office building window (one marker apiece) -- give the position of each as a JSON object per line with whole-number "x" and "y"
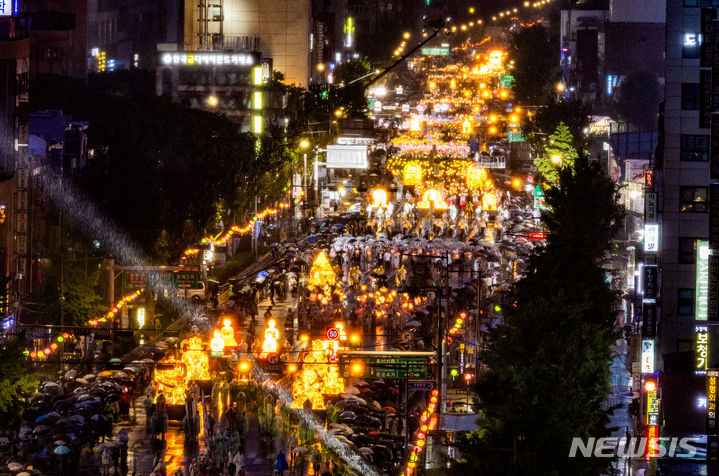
{"x": 690, "y": 96}
{"x": 687, "y": 250}
{"x": 693, "y": 199}
{"x": 694, "y": 148}
{"x": 685, "y": 301}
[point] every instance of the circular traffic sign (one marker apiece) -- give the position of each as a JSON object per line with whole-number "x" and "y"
{"x": 333, "y": 333}
{"x": 273, "y": 359}
{"x": 405, "y": 336}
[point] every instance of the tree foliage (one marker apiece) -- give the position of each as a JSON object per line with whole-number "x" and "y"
{"x": 536, "y": 69}
{"x": 572, "y": 112}
{"x": 548, "y": 363}
{"x": 558, "y": 154}
{"x": 16, "y": 383}
{"x": 638, "y": 97}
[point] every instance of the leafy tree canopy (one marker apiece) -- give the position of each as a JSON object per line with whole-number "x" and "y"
{"x": 559, "y": 153}
{"x": 16, "y": 383}
{"x": 548, "y": 372}
{"x": 572, "y": 112}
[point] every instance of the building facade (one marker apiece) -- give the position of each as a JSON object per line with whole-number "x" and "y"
{"x": 280, "y": 29}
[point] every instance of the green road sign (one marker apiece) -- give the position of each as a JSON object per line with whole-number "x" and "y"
{"x": 539, "y": 197}
{"x": 436, "y": 51}
{"x": 505, "y": 81}
{"x": 397, "y": 367}
{"x": 185, "y": 279}
{"x": 515, "y": 136}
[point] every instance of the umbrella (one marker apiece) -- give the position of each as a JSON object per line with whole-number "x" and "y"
{"x": 389, "y": 409}
{"x": 88, "y": 377}
{"x": 81, "y": 381}
{"x": 119, "y": 375}
{"x": 413, "y": 324}
{"x": 300, "y": 449}
{"x": 61, "y": 450}
{"x": 40, "y": 428}
{"x": 352, "y": 390}
{"x": 70, "y": 374}
{"x": 51, "y": 384}
{"x": 78, "y": 418}
{"x": 115, "y": 361}
{"x": 311, "y": 239}
{"x": 97, "y": 417}
{"x": 105, "y": 373}
{"x": 14, "y": 466}
{"x": 348, "y": 414}
{"x": 60, "y": 442}
{"x": 131, "y": 369}
{"x": 365, "y": 451}
{"x": 24, "y": 473}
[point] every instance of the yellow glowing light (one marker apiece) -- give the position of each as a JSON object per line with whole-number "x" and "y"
{"x": 432, "y": 199}
{"x": 514, "y": 119}
{"x": 492, "y": 130}
{"x": 380, "y": 198}
{"x": 217, "y": 344}
{"x": 228, "y": 334}
{"x": 272, "y": 335}
{"x": 486, "y": 94}
{"x": 212, "y": 101}
{"x": 412, "y": 173}
{"x": 292, "y": 368}
{"x": 304, "y": 337}
{"x": 244, "y": 366}
{"x": 466, "y": 127}
{"x": 406, "y": 35}
{"x": 504, "y": 94}
{"x": 492, "y": 118}
{"x": 556, "y": 160}
{"x": 560, "y": 87}
{"x": 489, "y": 201}
{"x": 196, "y": 360}
{"x": 318, "y": 377}
{"x": 414, "y": 125}
{"x": 476, "y": 176}
{"x": 432, "y": 85}
{"x": 320, "y": 67}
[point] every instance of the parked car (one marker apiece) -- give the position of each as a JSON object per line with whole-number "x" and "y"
{"x": 195, "y": 295}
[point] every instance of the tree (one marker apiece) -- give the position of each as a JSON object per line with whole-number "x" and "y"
{"x": 536, "y": 66}
{"x": 16, "y": 383}
{"x": 559, "y": 153}
{"x": 638, "y": 98}
{"x": 548, "y": 372}
{"x": 572, "y": 112}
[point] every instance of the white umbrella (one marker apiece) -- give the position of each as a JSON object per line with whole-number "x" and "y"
{"x": 352, "y": 390}
{"x": 14, "y": 466}
{"x": 51, "y": 384}
{"x": 70, "y": 374}
{"x": 89, "y": 377}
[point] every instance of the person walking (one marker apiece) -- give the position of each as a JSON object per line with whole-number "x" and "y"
{"x": 281, "y": 463}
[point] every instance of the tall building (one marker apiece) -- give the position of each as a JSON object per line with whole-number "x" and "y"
{"x": 681, "y": 185}
{"x": 280, "y": 29}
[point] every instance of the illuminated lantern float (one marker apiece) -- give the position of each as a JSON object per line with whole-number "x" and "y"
{"x": 319, "y": 376}
{"x": 412, "y": 174}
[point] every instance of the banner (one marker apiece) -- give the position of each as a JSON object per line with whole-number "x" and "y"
{"x": 713, "y": 311}
{"x": 649, "y": 320}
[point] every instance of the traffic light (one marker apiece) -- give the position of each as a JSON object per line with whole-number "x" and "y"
{"x": 325, "y": 93}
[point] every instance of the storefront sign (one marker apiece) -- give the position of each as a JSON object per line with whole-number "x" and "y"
{"x": 650, "y": 207}
{"x": 192, "y": 58}
{"x": 648, "y": 356}
{"x": 651, "y": 238}
{"x": 707, "y": 36}
{"x": 650, "y": 283}
{"x": 701, "y": 304}
{"x": 711, "y": 423}
{"x": 6, "y": 7}
{"x": 539, "y": 197}
{"x": 652, "y": 408}
{"x": 649, "y": 320}
{"x": 701, "y": 349}
{"x": 652, "y": 449}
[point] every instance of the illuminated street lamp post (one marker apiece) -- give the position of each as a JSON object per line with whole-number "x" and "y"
{"x": 304, "y": 145}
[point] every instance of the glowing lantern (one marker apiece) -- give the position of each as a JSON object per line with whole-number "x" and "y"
{"x": 414, "y": 125}
{"x": 217, "y": 344}
{"x": 40, "y": 354}
{"x": 476, "y": 176}
{"x": 316, "y": 379}
{"x": 228, "y": 334}
{"x": 272, "y": 335}
{"x": 412, "y": 173}
{"x": 432, "y": 199}
{"x": 495, "y": 59}
{"x": 466, "y": 127}
{"x": 380, "y": 198}
{"x": 489, "y": 201}
{"x": 321, "y": 273}
{"x": 196, "y": 360}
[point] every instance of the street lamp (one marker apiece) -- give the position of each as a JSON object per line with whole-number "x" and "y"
{"x": 212, "y": 101}
{"x": 560, "y": 87}
{"x": 556, "y": 160}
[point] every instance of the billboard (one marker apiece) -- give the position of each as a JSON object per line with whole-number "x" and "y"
{"x": 648, "y": 356}
{"x": 347, "y": 157}
{"x": 7, "y": 7}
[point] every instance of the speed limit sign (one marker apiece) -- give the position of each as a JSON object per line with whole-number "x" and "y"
{"x": 333, "y": 333}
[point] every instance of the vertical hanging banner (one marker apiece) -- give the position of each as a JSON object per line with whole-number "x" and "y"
{"x": 708, "y": 15}
{"x": 701, "y": 349}
{"x": 649, "y": 320}
{"x": 650, "y": 283}
{"x": 711, "y": 423}
{"x": 713, "y": 305}
{"x": 650, "y": 207}
{"x": 706, "y": 98}
{"x": 647, "y": 356}
{"x": 701, "y": 293}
